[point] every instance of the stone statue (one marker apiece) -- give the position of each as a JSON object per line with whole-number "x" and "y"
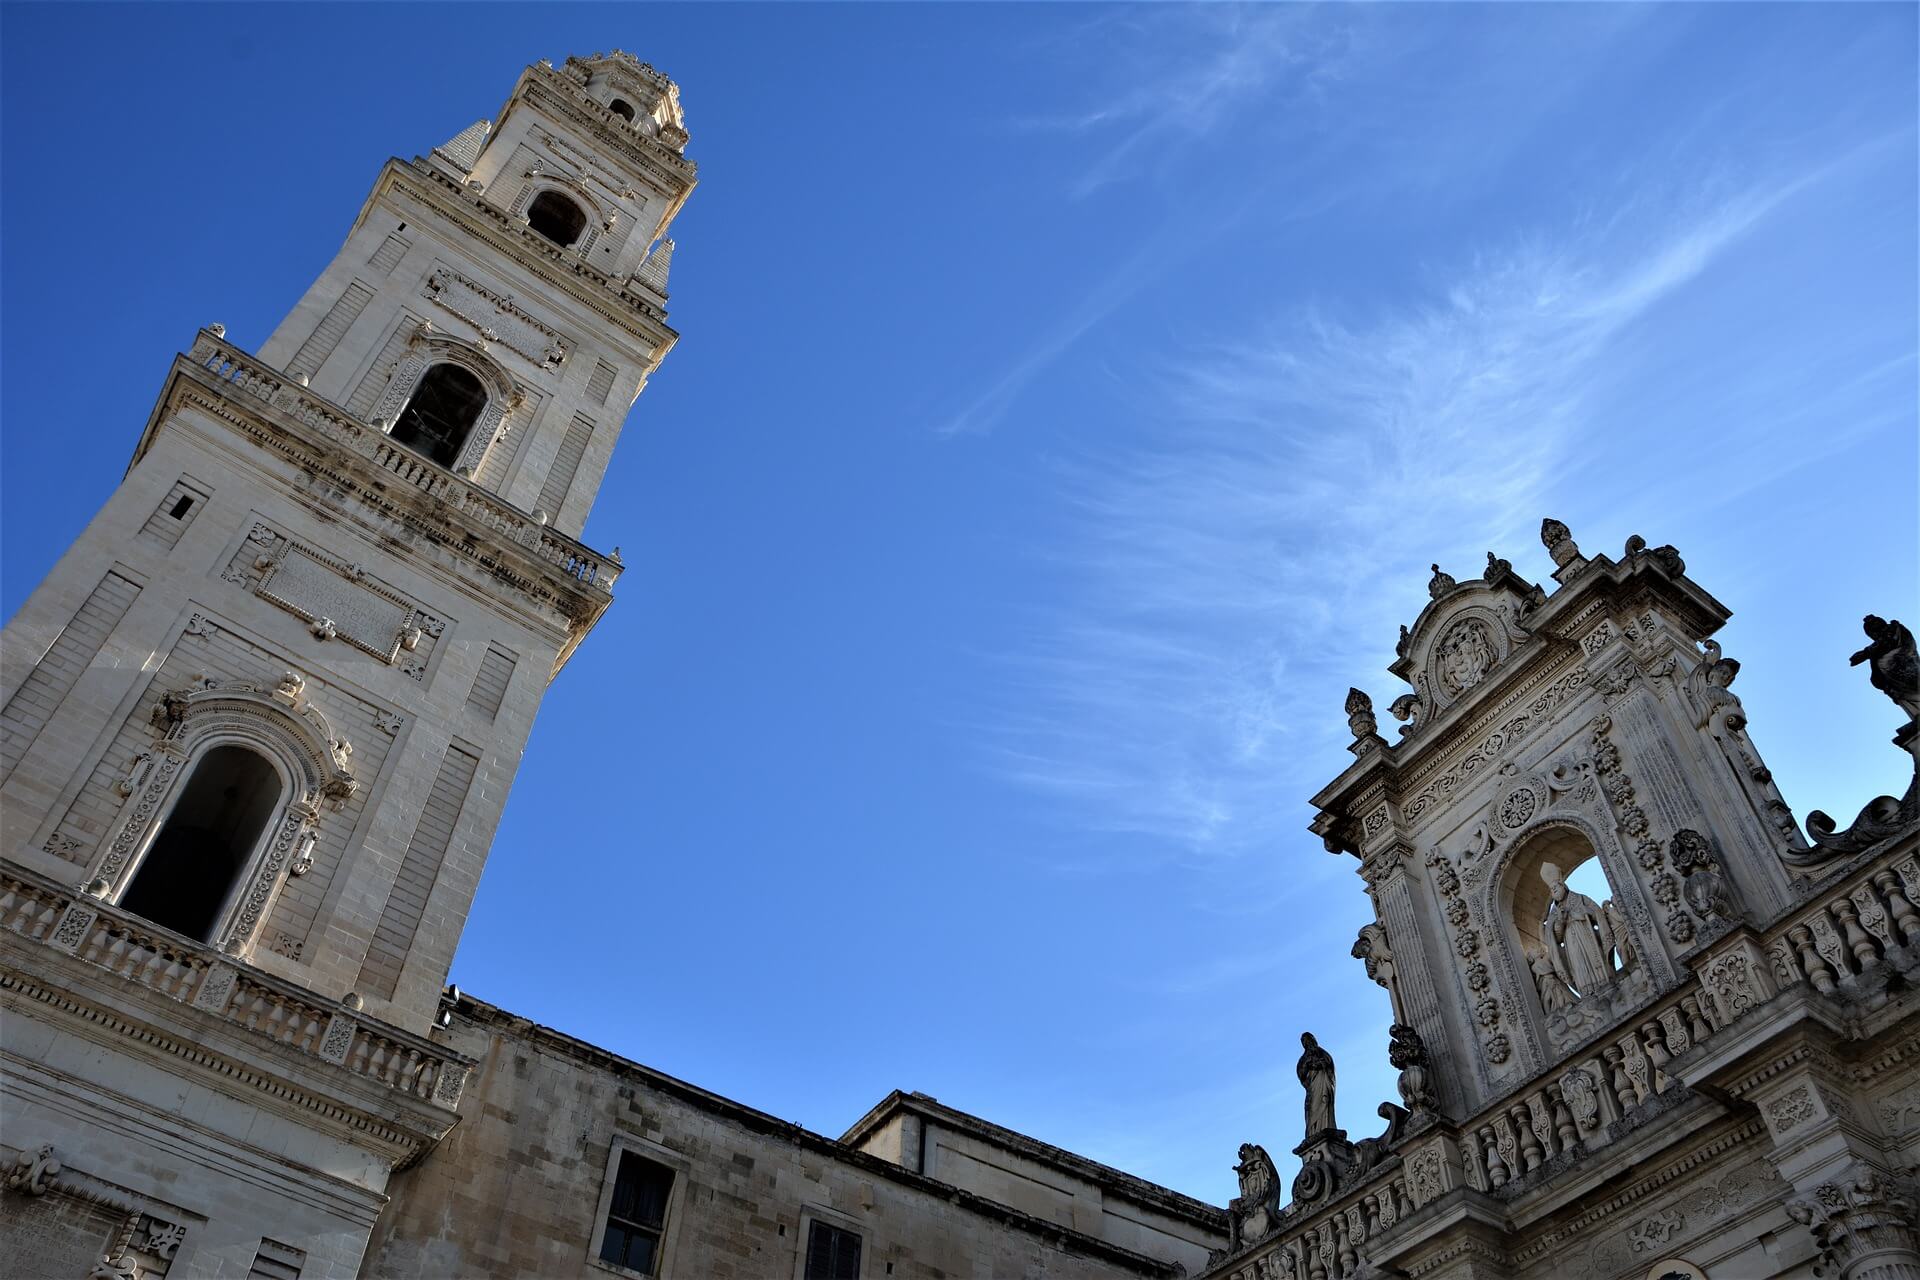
{"x": 1255, "y": 1212}
{"x": 1893, "y": 665}
{"x": 1316, "y": 1077}
{"x": 1407, "y": 1052}
{"x": 1360, "y": 717}
{"x": 1497, "y": 568}
{"x": 1578, "y": 935}
{"x": 1554, "y": 995}
{"x": 1622, "y": 936}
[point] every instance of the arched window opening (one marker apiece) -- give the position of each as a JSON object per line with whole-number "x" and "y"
{"x": 557, "y": 218}
{"x": 440, "y": 413}
{"x": 622, "y": 108}
{"x": 190, "y": 871}
{"x": 1573, "y": 938}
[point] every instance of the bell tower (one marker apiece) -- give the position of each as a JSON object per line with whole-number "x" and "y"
{"x": 258, "y": 725}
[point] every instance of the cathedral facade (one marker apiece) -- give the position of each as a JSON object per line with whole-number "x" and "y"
{"x": 258, "y": 724}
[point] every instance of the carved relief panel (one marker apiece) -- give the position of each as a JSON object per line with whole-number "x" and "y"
{"x": 337, "y": 599}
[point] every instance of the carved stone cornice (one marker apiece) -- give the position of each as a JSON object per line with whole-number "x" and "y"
{"x": 661, "y": 166}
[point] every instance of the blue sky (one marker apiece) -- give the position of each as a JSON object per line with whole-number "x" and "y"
{"x": 1070, "y": 402}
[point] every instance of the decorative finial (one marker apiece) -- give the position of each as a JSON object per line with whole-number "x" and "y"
{"x": 1559, "y": 543}
{"x": 1360, "y": 716}
{"x": 217, "y": 330}
{"x": 1497, "y": 568}
{"x": 1406, "y": 638}
{"x": 1635, "y": 544}
{"x": 1440, "y": 583}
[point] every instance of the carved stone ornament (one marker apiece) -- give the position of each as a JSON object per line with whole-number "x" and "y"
{"x": 1315, "y": 1070}
{"x": 1559, "y": 543}
{"x": 33, "y": 1171}
{"x": 1409, "y": 1055}
{"x": 1360, "y": 717}
{"x": 1855, "y": 1217}
{"x": 1440, "y": 583}
{"x": 1254, "y": 1214}
{"x": 1464, "y": 656}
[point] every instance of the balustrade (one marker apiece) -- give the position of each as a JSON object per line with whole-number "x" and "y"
{"x": 186, "y": 971}
{"x": 547, "y": 545}
{"x": 1852, "y": 930}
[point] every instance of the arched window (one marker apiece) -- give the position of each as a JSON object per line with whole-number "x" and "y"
{"x": 190, "y": 871}
{"x": 440, "y": 413}
{"x": 622, "y": 108}
{"x": 557, "y": 218}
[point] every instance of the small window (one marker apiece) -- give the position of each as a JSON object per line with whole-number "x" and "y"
{"x": 440, "y": 413}
{"x": 833, "y": 1253}
{"x": 638, "y": 1214}
{"x": 179, "y": 509}
{"x": 557, "y": 218}
{"x": 622, "y": 108}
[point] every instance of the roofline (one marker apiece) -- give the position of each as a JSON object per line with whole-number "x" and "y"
{"x": 1127, "y": 1185}
{"x": 490, "y": 1015}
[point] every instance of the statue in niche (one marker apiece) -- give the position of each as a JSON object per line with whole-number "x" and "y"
{"x": 1893, "y": 665}
{"x": 1255, "y": 1212}
{"x": 1554, "y": 993}
{"x": 1316, "y": 1077}
{"x": 1465, "y": 655}
{"x": 1579, "y": 935}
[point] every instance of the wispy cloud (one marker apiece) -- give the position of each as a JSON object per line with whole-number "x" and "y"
{"x": 1237, "y": 570}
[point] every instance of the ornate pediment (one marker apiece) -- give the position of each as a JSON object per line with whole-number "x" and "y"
{"x": 1466, "y": 632}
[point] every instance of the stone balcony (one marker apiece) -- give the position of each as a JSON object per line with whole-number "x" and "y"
{"x": 67, "y": 957}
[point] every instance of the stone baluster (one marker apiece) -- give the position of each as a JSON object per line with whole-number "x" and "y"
{"x": 1563, "y": 1126}
{"x": 1906, "y": 921}
{"x": 1816, "y": 968}
{"x": 1530, "y": 1155}
{"x": 1864, "y": 954}
{"x": 1618, "y": 1080}
{"x": 1496, "y": 1167}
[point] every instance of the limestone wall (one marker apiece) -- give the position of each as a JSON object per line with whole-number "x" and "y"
{"x": 518, "y": 1188}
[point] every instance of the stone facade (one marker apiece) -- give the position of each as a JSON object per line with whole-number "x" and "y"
{"x": 1707, "y": 1070}
{"x": 258, "y": 725}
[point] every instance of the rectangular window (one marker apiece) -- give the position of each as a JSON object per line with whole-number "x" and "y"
{"x": 638, "y": 1214}
{"x": 833, "y": 1253}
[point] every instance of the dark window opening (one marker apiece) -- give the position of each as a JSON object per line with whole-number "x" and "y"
{"x": 833, "y": 1253}
{"x": 181, "y": 507}
{"x": 556, "y": 217}
{"x": 401, "y": 227}
{"x": 189, "y": 873}
{"x": 441, "y": 412}
{"x": 638, "y": 1214}
{"x": 622, "y": 108}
